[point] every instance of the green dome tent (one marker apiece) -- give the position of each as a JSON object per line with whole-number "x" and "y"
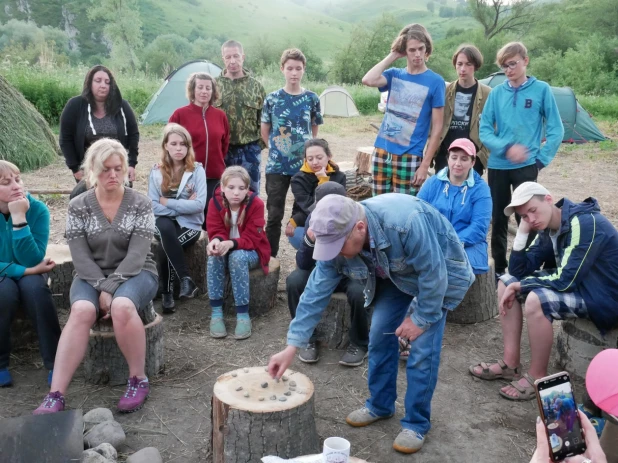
{"x": 336, "y": 101}
{"x": 578, "y": 125}
{"x": 171, "y": 94}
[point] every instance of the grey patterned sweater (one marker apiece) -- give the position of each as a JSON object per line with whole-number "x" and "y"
{"x": 108, "y": 254}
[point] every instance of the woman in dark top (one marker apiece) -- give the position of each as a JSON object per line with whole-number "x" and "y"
{"x": 99, "y": 112}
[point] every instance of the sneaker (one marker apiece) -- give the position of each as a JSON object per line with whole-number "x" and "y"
{"x": 243, "y": 328}
{"x": 134, "y": 397}
{"x": 6, "y": 379}
{"x": 354, "y": 357}
{"x": 408, "y": 441}
{"x": 50, "y": 376}
{"x": 217, "y": 327}
{"x": 363, "y": 417}
{"x": 188, "y": 289}
{"x": 309, "y": 354}
{"x": 168, "y": 303}
{"x": 52, "y": 403}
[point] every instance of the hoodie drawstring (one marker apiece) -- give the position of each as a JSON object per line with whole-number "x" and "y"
{"x": 124, "y": 118}
{"x": 94, "y": 132}
{"x": 465, "y": 190}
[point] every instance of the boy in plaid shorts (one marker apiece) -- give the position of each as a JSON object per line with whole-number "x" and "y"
{"x": 578, "y": 250}
{"x": 415, "y": 101}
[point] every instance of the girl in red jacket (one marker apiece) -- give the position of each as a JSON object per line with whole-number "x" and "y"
{"x": 235, "y": 223}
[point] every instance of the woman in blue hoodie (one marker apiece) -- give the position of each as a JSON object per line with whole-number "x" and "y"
{"x": 463, "y": 197}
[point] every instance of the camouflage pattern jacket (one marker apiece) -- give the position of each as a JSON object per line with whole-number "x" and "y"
{"x": 242, "y": 101}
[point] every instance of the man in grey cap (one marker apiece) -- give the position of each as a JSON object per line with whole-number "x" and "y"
{"x": 414, "y": 269}
{"x": 577, "y": 250}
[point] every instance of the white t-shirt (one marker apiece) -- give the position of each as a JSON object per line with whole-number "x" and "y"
{"x": 234, "y": 234}
{"x": 553, "y": 234}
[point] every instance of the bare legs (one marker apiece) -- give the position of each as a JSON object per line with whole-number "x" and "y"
{"x": 130, "y": 335}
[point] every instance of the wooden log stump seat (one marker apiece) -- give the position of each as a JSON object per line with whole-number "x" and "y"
{"x": 195, "y": 256}
{"x": 481, "y": 300}
{"x": 262, "y": 290}
{"x": 363, "y": 160}
{"x": 23, "y": 333}
{"x": 578, "y": 341}
{"x": 332, "y": 330}
{"x": 250, "y": 421}
{"x": 61, "y": 276}
{"x": 104, "y": 362}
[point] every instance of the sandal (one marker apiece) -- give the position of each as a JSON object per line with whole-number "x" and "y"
{"x": 404, "y": 349}
{"x": 488, "y": 375}
{"x": 525, "y": 392}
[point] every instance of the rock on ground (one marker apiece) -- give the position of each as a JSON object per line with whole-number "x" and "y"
{"x": 96, "y": 416}
{"x": 107, "y": 450}
{"x": 108, "y": 431}
{"x": 146, "y": 455}
{"x": 90, "y": 456}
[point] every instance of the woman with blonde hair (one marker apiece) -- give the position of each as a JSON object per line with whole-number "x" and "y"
{"x": 237, "y": 242}
{"x": 177, "y": 188}
{"x": 207, "y": 125}
{"x": 109, "y": 229}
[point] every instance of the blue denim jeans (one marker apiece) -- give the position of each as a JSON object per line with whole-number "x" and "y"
{"x": 247, "y": 156}
{"x": 299, "y": 234}
{"x": 391, "y": 306}
{"x": 239, "y": 263}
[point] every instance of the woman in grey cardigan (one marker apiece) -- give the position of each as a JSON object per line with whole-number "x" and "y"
{"x": 177, "y": 188}
{"x": 109, "y": 230}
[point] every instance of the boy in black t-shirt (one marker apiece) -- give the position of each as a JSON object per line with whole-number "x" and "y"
{"x": 464, "y": 103}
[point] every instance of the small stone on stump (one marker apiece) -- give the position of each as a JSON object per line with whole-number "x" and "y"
{"x": 481, "y": 300}
{"x": 104, "y": 362}
{"x": 262, "y": 290}
{"x": 578, "y": 341}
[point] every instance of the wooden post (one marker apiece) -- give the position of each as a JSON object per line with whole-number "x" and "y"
{"x": 481, "y": 300}
{"x": 262, "y": 290}
{"x": 104, "y": 362}
{"x": 248, "y": 423}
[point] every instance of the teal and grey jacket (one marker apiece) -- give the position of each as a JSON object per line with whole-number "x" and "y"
{"x": 586, "y": 261}
{"x": 413, "y": 245}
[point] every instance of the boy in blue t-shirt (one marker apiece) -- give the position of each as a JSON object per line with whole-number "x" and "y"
{"x": 415, "y": 102}
{"x": 512, "y": 129}
{"x": 290, "y": 116}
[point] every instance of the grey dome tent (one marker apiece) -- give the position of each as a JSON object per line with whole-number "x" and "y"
{"x": 336, "y": 101}
{"x": 171, "y": 94}
{"x": 578, "y": 125}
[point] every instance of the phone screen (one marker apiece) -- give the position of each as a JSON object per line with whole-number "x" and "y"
{"x": 561, "y": 419}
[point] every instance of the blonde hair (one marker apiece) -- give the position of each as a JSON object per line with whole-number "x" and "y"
{"x": 99, "y": 152}
{"x": 509, "y": 51}
{"x": 295, "y": 54}
{"x": 7, "y": 167}
{"x": 192, "y": 81}
{"x": 166, "y": 165}
{"x": 228, "y": 174}
{"x": 412, "y": 32}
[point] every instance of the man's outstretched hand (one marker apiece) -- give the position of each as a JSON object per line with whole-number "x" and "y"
{"x": 281, "y": 361}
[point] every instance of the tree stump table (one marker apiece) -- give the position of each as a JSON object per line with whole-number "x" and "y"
{"x": 578, "y": 341}
{"x": 481, "y": 300}
{"x": 253, "y": 416}
{"x": 104, "y": 362}
{"x": 262, "y": 290}
{"x": 196, "y": 259}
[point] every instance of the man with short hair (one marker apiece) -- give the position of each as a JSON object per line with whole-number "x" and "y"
{"x": 414, "y": 269}
{"x": 242, "y": 97}
{"x": 516, "y": 117}
{"x": 577, "y": 248}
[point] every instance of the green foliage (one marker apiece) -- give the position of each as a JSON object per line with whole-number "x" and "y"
{"x": 431, "y": 6}
{"x": 166, "y": 53}
{"x": 21, "y": 41}
{"x": 603, "y": 107}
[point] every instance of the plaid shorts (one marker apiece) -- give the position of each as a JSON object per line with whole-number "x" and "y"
{"x": 393, "y": 173}
{"x": 555, "y": 305}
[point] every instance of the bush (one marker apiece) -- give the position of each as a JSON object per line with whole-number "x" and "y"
{"x": 600, "y": 106}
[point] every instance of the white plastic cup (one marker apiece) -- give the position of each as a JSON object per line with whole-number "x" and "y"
{"x": 336, "y": 450}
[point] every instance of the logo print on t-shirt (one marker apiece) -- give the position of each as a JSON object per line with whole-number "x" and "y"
{"x": 528, "y": 103}
{"x": 404, "y": 108}
{"x": 462, "y": 103}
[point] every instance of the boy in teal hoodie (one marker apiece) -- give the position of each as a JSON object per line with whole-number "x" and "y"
{"x": 511, "y": 128}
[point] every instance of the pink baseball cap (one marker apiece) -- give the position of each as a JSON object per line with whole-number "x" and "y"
{"x": 464, "y": 144}
{"x": 602, "y": 381}
{"x": 332, "y": 220}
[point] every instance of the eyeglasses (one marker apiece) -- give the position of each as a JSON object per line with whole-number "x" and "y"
{"x": 510, "y": 65}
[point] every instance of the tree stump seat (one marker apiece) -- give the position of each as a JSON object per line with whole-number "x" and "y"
{"x": 262, "y": 290}
{"x": 578, "y": 341}
{"x": 104, "y": 362}
{"x": 61, "y": 276}
{"x": 332, "y": 330}
{"x": 481, "y": 300}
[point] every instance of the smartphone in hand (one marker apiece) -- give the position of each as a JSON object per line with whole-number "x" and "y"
{"x": 558, "y": 409}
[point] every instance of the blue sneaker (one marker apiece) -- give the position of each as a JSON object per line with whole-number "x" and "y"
{"x": 6, "y": 379}
{"x": 49, "y": 377}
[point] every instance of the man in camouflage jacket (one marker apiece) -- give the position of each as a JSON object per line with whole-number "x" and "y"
{"x": 242, "y": 97}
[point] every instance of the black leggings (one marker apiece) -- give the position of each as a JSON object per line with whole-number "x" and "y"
{"x": 173, "y": 239}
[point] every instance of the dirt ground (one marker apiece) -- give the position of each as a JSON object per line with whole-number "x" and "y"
{"x": 470, "y": 421}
